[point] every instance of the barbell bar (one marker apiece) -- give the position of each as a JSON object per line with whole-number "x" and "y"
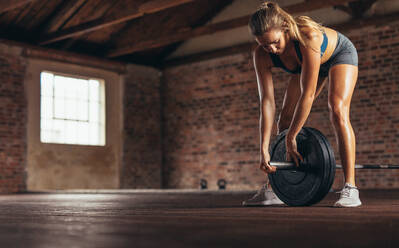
{"x": 373, "y": 166}
{"x": 289, "y": 165}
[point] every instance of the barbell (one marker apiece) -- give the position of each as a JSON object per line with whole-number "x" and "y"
{"x": 310, "y": 182}
{"x": 288, "y": 165}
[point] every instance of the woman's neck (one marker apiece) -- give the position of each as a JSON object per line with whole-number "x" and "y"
{"x": 289, "y": 49}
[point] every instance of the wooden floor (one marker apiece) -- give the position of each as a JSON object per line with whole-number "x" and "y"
{"x": 192, "y": 219}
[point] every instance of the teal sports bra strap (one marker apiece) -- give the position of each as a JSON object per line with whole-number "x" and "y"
{"x": 322, "y": 48}
{"x": 324, "y": 44}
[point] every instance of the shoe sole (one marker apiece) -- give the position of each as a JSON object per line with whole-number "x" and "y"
{"x": 347, "y": 206}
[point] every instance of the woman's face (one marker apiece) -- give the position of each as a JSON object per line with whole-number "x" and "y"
{"x": 273, "y": 41}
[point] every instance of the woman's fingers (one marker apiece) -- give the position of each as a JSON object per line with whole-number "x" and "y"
{"x": 267, "y": 168}
{"x": 272, "y": 169}
{"x": 263, "y": 168}
{"x": 294, "y": 156}
{"x": 300, "y": 157}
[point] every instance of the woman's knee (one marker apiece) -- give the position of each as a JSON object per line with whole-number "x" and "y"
{"x": 339, "y": 113}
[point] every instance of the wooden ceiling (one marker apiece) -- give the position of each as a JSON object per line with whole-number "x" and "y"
{"x": 99, "y": 27}
{"x": 135, "y": 31}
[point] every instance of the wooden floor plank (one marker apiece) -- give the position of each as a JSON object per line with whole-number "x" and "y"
{"x": 192, "y": 219}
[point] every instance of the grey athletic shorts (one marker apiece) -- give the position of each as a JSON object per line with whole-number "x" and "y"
{"x": 344, "y": 53}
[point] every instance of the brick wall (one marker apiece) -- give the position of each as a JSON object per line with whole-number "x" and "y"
{"x": 376, "y": 103}
{"x": 13, "y": 115}
{"x": 210, "y": 119}
{"x": 211, "y": 116}
{"x": 141, "y": 166}
{"x": 142, "y": 129}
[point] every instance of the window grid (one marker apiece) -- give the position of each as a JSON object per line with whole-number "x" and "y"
{"x": 81, "y": 124}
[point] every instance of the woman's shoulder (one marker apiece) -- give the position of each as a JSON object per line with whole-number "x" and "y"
{"x": 261, "y": 57}
{"x": 312, "y": 36}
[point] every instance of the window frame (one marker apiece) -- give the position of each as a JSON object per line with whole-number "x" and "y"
{"x": 102, "y": 100}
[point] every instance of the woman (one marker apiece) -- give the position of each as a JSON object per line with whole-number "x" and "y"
{"x": 311, "y": 53}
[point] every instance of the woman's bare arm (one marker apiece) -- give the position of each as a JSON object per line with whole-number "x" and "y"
{"x": 308, "y": 82}
{"x": 263, "y": 65}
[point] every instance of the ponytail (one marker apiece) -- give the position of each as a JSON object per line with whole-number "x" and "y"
{"x": 269, "y": 15}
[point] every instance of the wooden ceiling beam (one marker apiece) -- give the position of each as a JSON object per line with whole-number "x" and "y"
{"x": 241, "y": 48}
{"x": 148, "y": 7}
{"x": 73, "y": 58}
{"x": 67, "y": 10}
{"x": 370, "y": 21}
{"x": 202, "y": 21}
{"x": 344, "y": 8}
{"x": 7, "y": 5}
{"x": 37, "y": 52}
{"x": 356, "y": 9}
{"x": 189, "y": 33}
{"x": 359, "y": 8}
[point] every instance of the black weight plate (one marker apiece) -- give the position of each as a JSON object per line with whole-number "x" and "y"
{"x": 298, "y": 187}
{"x": 328, "y": 153}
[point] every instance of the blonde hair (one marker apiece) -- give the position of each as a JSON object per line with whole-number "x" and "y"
{"x": 269, "y": 15}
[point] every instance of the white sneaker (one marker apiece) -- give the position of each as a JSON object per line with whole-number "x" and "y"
{"x": 349, "y": 197}
{"x": 264, "y": 197}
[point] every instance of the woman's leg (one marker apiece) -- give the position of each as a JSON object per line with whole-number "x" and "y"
{"x": 291, "y": 97}
{"x": 343, "y": 79}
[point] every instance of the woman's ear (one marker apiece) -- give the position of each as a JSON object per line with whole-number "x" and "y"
{"x": 287, "y": 34}
{"x": 285, "y": 25}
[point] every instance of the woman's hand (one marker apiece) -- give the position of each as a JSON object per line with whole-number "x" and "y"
{"x": 292, "y": 153}
{"x": 264, "y": 164}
